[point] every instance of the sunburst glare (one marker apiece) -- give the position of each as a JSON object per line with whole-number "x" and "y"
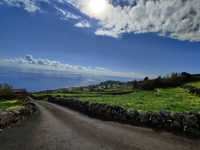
{"x": 97, "y": 7}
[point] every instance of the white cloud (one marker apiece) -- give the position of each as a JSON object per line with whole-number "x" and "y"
{"x": 28, "y": 5}
{"x": 28, "y": 63}
{"x": 83, "y": 24}
{"x": 179, "y": 19}
{"x": 104, "y": 32}
{"x": 65, "y": 15}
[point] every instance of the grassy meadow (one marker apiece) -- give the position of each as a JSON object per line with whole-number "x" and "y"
{"x": 169, "y": 99}
{"x": 9, "y": 104}
{"x": 195, "y": 84}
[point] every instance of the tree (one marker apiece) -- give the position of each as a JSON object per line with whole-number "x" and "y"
{"x": 146, "y": 78}
{"x": 135, "y": 84}
{"x": 6, "y": 91}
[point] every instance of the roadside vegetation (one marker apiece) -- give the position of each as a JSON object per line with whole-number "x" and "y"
{"x": 14, "y": 106}
{"x": 194, "y": 84}
{"x": 8, "y": 99}
{"x": 169, "y": 99}
{"x": 160, "y": 94}
{"x": 10, "y": 104}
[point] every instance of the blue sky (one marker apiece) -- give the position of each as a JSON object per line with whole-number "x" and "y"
{"x": 114, "y": 43}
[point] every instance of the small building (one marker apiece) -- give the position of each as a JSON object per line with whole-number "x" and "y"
{"x": 20, "y": 92}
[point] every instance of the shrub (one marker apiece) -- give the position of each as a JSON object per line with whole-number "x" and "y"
{"x": 6, "y": 91}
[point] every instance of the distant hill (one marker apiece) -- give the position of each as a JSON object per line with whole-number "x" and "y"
{"x": 172, "y": 80}
{"x": 39, "y": 81}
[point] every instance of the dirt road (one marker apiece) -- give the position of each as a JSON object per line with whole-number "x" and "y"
{"x": 59, "y": 128}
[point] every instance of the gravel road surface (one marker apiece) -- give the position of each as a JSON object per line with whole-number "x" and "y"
{"x": 59, "y": 128}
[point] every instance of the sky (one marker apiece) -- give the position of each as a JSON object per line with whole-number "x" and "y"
{"x": 87, "y": 41}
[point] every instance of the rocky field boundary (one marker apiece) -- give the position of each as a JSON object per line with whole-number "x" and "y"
{"x": 12, "y": 117}
{"x": 195, "y": 91}
{"x": 183, "y": 123}
{"x": 192, "y": 89}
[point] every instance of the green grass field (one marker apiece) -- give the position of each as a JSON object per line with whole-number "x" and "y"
{"x": 171, "y": 99}
{"x": 9, "y": 104}
{"x": 194, "y": 84}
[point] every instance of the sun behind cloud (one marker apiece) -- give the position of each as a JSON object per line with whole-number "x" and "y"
{"x": 97, "y": 8}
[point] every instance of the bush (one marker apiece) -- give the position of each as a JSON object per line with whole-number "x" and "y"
{"x": 173, "y": 80}
{"x": 6, "y": 91}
